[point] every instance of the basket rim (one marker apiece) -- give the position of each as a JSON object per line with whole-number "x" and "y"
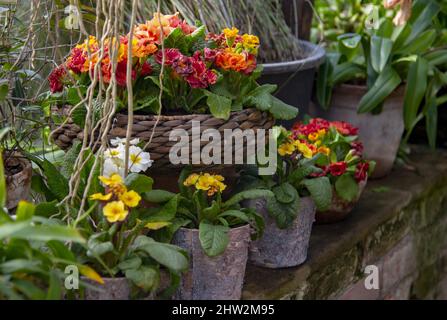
{"x": 185, "y": 116}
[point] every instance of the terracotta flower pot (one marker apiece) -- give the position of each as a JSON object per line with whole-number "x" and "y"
{"x": 340, "y": 209}
{"x": 112, "y": 289}
{"x": 213, "y": 278}
{"x": 381, "y": 134}
{"x": 282, "y": 248}
{"x": 18, "y": 172}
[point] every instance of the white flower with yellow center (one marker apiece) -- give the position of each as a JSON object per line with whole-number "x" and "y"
{"x": 117, "y": 152}
{"x": 138, "y": 160}
{"x": 113, "y": 166}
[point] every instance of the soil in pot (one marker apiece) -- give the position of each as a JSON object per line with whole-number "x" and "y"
{"x": 282, "y": 248}
{"x": 18, "y": 172}
{"x": 340, "y": 209}
{"x": 380, "y": 134}
{"x": 295, "y": 79}
{"x": 213, "y": 278}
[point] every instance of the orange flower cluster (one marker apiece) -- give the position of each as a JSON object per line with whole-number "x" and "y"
{"x": 236, "y": 52}
{"x": 146, "y": 37}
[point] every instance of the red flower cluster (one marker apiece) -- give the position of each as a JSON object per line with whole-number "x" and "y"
{"x": 56, "y": 79}
{"x": 193, "y": 69}
{"x": 357, "y": 146}
{"x": 314, "y": 125}
{"x": 335, "y": 169}
{"x": 345, "y": 128}
{"x": 361, "y": 171}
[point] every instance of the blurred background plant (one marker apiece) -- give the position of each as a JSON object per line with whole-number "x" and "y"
{"x": 418, "y": 53}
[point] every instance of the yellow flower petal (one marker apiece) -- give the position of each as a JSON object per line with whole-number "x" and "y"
{"x": 115, "y": 211}
{"x": 113, "y": 179}
{"x": 230, "y": 33}
{"x": 157, "y": 225}
{"x": 286, "y": 149}
{"x": 130, "y": 198}
{"x": 191, "y": 180}
{"x": 101, "y": 197}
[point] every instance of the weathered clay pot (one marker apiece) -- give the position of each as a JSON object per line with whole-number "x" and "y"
{"x": 381, "y": 134}
{"x": 18, "y": 183}
{"x": 282, "y": 248}
{"x": 340, "y": 209}
{"x": 112, "y": 289}
{"x": 213, "y": 278}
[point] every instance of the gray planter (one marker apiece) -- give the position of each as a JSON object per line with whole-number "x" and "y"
{"x": 381, "y": 134}
{"x": 295, "y": 79}
{"x": 216, "y": 278}
{"x": 282, "y": 248}
{"x": 18, "y": 185}
{"x": 112, "y": 289}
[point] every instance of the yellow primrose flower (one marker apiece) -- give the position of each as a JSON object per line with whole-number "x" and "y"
{"x": 191, "y": 180}
{"x": 112, "y": 180}
{"x": 304, "y": 149}
{"x": 230, "y": 33}
{"x": 324, "y": 150}
{"x": 204, "y": 182}
{"x": 286, "y": 149}
{"x": 115, "y": 211}
{"x": 130, "y": 198}
{"x": 250, "y": 40}
{"x": 101, "y": 197}
{"x": 321, "y": 133}
{"x": 313, "y": 136}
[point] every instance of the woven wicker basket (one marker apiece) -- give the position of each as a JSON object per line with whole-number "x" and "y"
{"x": 160, "y": 145}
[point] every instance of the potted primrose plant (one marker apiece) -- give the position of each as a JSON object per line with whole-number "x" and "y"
{"x": 384, "y": 80}
{"x": 215, "y": 232}
{"x": 115, "y": 223}
{"x": 289, "y": 215}
{"x": 341, "y": 161}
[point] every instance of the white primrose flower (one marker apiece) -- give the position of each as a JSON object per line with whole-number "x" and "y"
{"x": 113, "y": 166}
{"x": 122, "y": 141}
{"x": 118, "y": 152}
{"x": 138, "y": 160}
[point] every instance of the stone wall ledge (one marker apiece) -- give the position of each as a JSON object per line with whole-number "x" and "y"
{"x": 405, "y": 211}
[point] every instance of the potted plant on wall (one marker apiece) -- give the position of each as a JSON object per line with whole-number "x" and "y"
{"x": 341, "y": 161}
{"x": 215, "y": 232}
{"x": 287, "y": 62}
{"x": 205, "y": 77}
{"x": 289, "y": 215}
{"x": 115, "y": 222}
{"x": 378, "y": 79}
